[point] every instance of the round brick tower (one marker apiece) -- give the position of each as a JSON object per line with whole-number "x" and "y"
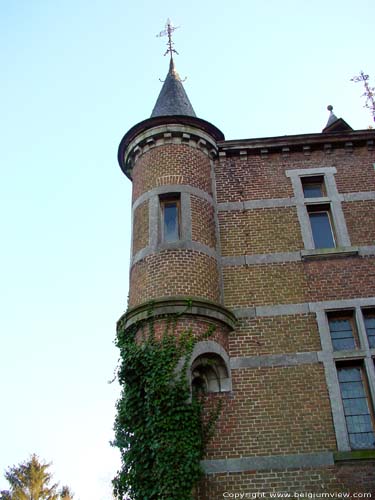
{"x": 175, "y": 256}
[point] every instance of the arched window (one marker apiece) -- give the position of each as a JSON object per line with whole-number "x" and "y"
{"x": 209, "y": 374}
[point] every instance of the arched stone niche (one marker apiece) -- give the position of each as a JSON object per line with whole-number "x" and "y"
{"x": 210, "y": 368}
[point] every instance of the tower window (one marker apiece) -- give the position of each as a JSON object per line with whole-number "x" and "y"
{"x": 170, "y": 218}
{"x": 321, "y": 226}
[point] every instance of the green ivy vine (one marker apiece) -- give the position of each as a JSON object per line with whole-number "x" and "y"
{"x": 158, "y": 428}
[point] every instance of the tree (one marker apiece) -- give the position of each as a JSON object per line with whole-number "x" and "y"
{"x": 369, "y": 92}
{"x": 30, "y": 480}
{"x": 66, "y": 493}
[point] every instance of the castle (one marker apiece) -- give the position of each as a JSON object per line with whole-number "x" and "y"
{"x": 272, "y": 241}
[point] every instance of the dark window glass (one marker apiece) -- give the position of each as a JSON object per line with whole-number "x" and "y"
{"x": 369, "y": 318}
{"x": 170, "y": 221}
{"x": 356, "y": 408}
{"x": 312, "y": 190}
{"x": 321, "y": 229}
{"x": 342, "y": 333}
{"x": 313, "y": 187}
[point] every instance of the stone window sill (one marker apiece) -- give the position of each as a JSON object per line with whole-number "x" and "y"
{"x": 345, "y": 456}
{"x": 328, "y": 253}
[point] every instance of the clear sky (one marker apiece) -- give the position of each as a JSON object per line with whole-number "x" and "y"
{"x": 75, "y": 76}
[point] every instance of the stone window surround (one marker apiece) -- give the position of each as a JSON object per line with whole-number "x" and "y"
{"x": 211, "y": 347}
{"x": 363, "y": 354}
{"x": 154, "y": 244}
{"x": 333, "y": 198}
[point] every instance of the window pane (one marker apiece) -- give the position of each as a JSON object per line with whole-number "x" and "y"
{"x": 171, "y": 232}
{"x": 341, "y": 333}
{"x": 370, "y": 328}
{"x": 313, "y": 187}
{"x": 321, "y": 229}
{"x": 356, "y": 408}
{"x": 313, "y": 190}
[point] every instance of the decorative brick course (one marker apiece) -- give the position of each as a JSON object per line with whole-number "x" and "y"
{"x": 183, "y": 165}
{"x": 258, "y": 231}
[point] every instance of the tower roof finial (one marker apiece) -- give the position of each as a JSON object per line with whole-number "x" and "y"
{"x": 172, "y": 100}
{"x": 169, "y": 29}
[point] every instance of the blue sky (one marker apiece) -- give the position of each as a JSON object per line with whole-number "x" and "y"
{"x": 75, "y": 76}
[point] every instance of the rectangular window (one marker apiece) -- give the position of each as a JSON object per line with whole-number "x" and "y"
{"x": 170, "y": 218}
{"x": 343, "y": 331}
{"x": 369, "y": 319}
{"x": 313, "y": 187}
{"x": 321, "y": 226}
{"x": 357, "y": 410}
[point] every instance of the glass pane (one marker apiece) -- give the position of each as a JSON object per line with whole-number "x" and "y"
{"x": 350, "y": 375}
{"x": 313, "y": 190}
{"x": 321, "y": 229}
{"x": 370, "y": 329}
{"x": 362, "y": 441}
{"x": 171, "y": 232}
{"x": 356, "y": 409}
{"x": 341, "y": 334}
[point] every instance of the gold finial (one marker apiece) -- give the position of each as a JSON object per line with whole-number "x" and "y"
{"x": 169, "y": 29}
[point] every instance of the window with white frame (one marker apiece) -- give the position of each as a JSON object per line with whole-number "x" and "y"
{"x": 319, "y": 209}
{"x": 170, "y": 212}
{"x": 320, "y": 214}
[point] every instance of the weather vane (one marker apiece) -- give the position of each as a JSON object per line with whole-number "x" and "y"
{"x": 169, "y": 29}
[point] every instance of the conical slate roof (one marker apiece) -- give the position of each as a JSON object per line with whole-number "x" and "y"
{"x": 172, "y": 99}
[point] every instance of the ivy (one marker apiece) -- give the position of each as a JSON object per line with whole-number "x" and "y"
{"x": 158, "y": 428}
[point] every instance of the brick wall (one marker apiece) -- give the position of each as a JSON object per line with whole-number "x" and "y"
{"x": 334, "y": 279}
{"x": 186, "y": 165}
{"x": 298, "y": 282}
{"x": 263, "y": 177}
{"x": 174, "y": 273}
{"x": 343, "y": 478}
{"x": 360, "y": 220}
{"x": 203, "y": 223}
{"x": 261, "y": 336}
{"x": 274, "y": 411}
{"x": 259, "y": 231}
{"x": 140, "y": 227}
{"x": 264, "y": 284}
{"x": 198, "y": 326}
